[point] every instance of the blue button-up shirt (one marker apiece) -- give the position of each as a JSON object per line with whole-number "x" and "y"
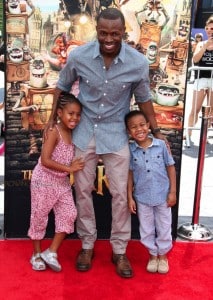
{"x": 105, "y": 93}
{"x": 151, "y": 182}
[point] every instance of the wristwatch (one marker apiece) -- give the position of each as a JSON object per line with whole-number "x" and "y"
{"x": 156, "y": 130}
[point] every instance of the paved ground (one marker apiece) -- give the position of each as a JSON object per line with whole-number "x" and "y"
{"x": 189, "y": 167}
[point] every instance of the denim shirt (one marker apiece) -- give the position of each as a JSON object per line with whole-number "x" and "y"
{"x": 105, "y": 93}
{"x": 151, "y": 182}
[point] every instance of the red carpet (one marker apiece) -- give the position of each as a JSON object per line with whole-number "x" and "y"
{"x": 190, "y": 276}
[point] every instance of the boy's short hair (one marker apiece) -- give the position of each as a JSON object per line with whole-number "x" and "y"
{"x": 132, "y": 114}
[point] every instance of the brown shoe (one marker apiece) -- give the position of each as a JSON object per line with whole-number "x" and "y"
{"x": 123, "y": 267}
{"x": 84, "y": 259}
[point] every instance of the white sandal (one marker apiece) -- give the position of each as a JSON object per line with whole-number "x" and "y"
{"x": 50, "y": 258}
{"x": 37, "y": 265}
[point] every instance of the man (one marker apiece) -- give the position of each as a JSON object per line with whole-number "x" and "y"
{"x": 109, "y": 73}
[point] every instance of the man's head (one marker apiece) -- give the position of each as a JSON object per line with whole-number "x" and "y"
{"x": 111, "y": 14}
{"x": 110, "y": 31}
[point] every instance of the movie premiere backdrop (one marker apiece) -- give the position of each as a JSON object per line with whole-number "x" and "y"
{"x": 39, "y": 36}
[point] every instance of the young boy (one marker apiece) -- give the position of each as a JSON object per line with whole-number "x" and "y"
{"x": 152, "y": 183}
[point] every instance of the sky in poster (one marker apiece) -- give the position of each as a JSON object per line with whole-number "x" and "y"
{"x": 52, "y": 5}
{"x": 46, "y": 5}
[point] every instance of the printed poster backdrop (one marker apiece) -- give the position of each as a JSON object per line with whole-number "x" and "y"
{"x": 39, "y": 36}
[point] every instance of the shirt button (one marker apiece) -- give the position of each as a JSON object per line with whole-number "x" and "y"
{"x": 104, "y": 67}
{"x": 147, "y": 161}
{"x": 104, "y": 94}
{"x": 106, "y": 81}
{"x": 87, "y": 81}
{"x": 144, "y": 152}
{"x": 95, "y": 125}
{"x": 99, "y": 117}
{"x": 102, "y": 104}
{"x": 124, "y": 86}
{"x": 148, "y": 171}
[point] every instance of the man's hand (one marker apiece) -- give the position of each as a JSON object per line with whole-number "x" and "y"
{"x": 160, "y": 136}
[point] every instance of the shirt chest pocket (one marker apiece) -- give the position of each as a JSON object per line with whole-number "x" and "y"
{"x": 138, "y": 164}
{"x": 157, "y": 160}
{"x": 117, "y": 90}
{"x": 92, "y": 86}
{"x": 119, "y": 86}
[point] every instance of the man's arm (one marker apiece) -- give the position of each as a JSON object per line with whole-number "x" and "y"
{"x": 53, "y": 116}
{"x": 148, "y": 110}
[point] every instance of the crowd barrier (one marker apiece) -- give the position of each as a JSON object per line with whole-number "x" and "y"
{"x": 194, "y": 230}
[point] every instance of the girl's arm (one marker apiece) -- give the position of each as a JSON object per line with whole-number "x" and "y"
{"x": 46, "y": 154}
{"x": 131, "y": 201}
{"x": 47, "y": 150}
{"x": 199, "y": 51}
{"x": 171, "y": 198}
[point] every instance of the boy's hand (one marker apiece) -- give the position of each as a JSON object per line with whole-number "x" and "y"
{"x": 171, "y": 199}
{"x": 132, "y": 206}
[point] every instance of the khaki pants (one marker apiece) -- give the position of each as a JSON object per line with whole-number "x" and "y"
{"x": 116, "y": 169}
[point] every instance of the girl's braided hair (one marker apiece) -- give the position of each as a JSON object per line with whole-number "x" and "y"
{"x": 63, "y": 99}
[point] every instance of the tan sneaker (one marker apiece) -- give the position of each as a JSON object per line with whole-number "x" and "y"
{"x": 163, "y": 266}
{"x": 152, "y": 265}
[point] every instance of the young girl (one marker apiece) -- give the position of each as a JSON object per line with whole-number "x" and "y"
{"x": 50, "y": 184}
{"x": 203, "y": 86}
{"x": 152, "y": 184}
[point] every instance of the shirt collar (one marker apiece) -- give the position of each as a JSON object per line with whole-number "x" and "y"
{"x": 155, "y": 142}
{"x": 120, "y": 56}
{"x": 97, "y": 50}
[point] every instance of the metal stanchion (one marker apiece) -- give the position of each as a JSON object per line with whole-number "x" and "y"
{"x": 195, "y": 231}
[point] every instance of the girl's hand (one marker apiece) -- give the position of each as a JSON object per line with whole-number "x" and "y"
{"x": 171, "y": 199}
{"x": 132, "y": 206}
{"x": 77, "y": 164}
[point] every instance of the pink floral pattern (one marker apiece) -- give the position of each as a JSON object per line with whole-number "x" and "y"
{"x": 51, "y": 189}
